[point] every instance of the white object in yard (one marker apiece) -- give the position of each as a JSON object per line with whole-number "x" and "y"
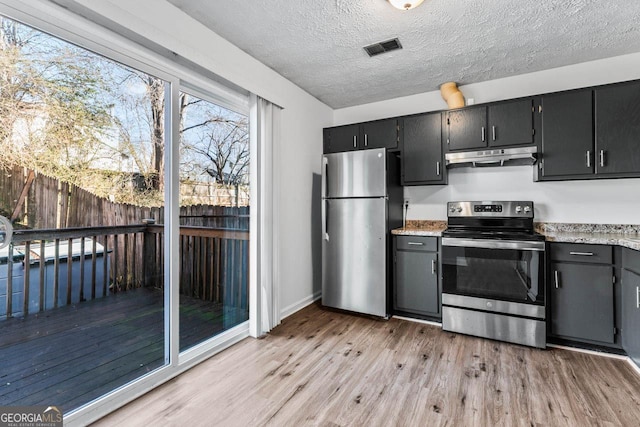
{"x": 6, "y": 232}
{"x": 63, "y": 251}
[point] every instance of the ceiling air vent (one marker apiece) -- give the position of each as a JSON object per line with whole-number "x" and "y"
{"x": 382, "y": 47}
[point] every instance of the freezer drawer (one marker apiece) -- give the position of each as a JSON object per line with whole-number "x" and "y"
{"x": 355, "y": 174}
{"x": 354, "y": 255}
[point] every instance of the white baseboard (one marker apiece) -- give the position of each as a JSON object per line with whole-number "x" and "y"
{"x": 633, "y": 365}
{"x": 563, "y": 347}
{"x": 599, "y": 353}
{"x": 584, "y": 350}
{"x": 411, "y": 319}
{"x": 299, "y": 305}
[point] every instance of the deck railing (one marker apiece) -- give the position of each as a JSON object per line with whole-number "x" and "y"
{"x": 54, "y": 267}
{"x": 213, "y": 263}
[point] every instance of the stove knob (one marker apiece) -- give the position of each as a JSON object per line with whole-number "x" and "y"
{"x": 518, "y": 209}
{"x": 527, "y": 209}
{"x": 458, "y": 209}
{"x": 452, "y": 209}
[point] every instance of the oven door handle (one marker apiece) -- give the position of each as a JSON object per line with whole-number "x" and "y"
{"x": 493, "y": 244}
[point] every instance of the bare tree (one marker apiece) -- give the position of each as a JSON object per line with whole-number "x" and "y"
{"x": 219, "y": 149}
{"x": 84, "y": 119}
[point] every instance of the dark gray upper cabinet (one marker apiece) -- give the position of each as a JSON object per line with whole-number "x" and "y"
{"x": 567, "y": 134}
{"x": 590, "y": 133}
{"x": 422, "y": 156}
{"x": 416, "y": 283}
{"x": 467, "y": 128}
{"x": 377, "y": 134}
{"x": 341, "y": 138}
{"x": 580, "y": 134}
{"x": 380, "y": 134}
{"x": 501, "y": 124}
{"x": 618, "y": 128}
{"x": 510, "y": 123}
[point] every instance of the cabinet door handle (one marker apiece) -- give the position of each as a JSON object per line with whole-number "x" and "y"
{"x": 581, "y": 253}
{"x": 415, "y": 243}
{"x": 433, "y": 266}
{"x": 493, "y": 130}
{"x": 637, "y": 296}
{"x": 588, "y": 158}
{"x": 601, "y": 158}
{"x": 366, "y": 140}
{"x": 438, "y": 168}
{"x": 556, "y": 278}
{"x": 482, "y": 133}
{"x": 355, "y": 141}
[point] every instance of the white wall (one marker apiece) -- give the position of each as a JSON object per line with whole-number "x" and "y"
{"x": 615, "y": 201}
{"x": 303, "y": 118}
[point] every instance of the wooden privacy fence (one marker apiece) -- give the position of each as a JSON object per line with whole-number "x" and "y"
{"x": 48, "y": 268}
{"x": 50, "y": 203}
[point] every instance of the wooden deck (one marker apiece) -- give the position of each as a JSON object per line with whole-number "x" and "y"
{"x": 73, "y": 354}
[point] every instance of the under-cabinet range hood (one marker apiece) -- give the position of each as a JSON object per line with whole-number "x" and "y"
{"x": 494, "y": 157}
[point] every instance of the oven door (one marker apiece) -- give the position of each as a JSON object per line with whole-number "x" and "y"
{"x": 494, "y": 269}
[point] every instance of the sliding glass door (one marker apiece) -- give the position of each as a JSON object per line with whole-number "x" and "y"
{"x": 82, "y": 295}
{"x": 214, "y": 219}
{"x": 126, "y": 178}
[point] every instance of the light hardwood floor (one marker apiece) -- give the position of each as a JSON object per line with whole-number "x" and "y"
{"x": 326, "y": 368}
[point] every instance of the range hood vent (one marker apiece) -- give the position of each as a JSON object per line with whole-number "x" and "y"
{"x": 498, "y": 157}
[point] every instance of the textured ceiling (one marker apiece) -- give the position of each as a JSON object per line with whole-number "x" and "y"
{"x": 318, "y": 44}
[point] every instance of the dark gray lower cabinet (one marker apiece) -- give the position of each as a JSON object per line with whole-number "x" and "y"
{"x": 631, "y": 305}
{"x": 631, "y": 315}
{"x": 582, "y": 302}
{"x": 416, "y": 284}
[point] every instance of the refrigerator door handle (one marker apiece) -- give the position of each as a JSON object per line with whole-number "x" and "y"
{"x": 325, "y": 176}
{"x": 324, "y": 190}
{"x": 325, "y": 220}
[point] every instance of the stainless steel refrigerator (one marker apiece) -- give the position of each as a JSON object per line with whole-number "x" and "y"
{"x": 361, "y": 203}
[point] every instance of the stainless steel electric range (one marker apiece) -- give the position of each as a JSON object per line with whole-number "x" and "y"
{"x": 493, "y": 272}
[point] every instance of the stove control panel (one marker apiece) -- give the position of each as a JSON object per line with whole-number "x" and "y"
{"x": 488, "y": 208}
{"x": 516, "y": 209}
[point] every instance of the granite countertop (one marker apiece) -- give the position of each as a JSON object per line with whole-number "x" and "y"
{"x": 427, "y": 228}
{"x": 627, "y": 236}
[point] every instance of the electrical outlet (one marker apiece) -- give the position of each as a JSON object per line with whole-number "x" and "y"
{"x": 406, "y": 203}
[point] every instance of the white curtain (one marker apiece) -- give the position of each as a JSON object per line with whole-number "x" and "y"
{"x": 264, "y": 294}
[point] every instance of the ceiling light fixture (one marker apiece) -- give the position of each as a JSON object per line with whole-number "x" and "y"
{"x": 405, "y": 4}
